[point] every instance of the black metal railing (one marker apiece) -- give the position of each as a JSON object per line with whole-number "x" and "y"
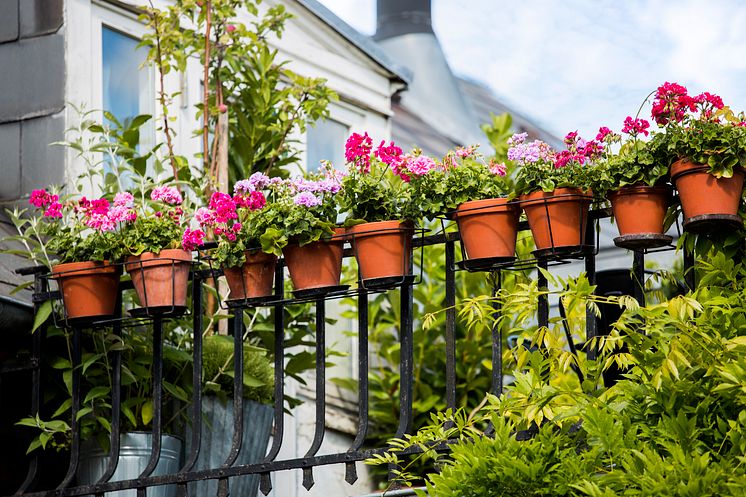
{"x": 270, "y": 463}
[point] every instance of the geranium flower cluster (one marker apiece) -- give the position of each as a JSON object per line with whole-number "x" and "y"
{"x": 522, "y": 152}
{"x": 167, "y": 194}
{"x": 357, "y": 151}
{"x": 223, "y": 211}
{"x": 634, "y": 127}
{"x": 97, "y": 214}
{"x": 403, "y": 165}
{"x": 673, "y": 103}
{"x": 578, "y": 150}
{"x": 42, "y": 199}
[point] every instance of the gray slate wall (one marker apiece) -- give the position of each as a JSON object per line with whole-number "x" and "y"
{"x": 32, "y": 95}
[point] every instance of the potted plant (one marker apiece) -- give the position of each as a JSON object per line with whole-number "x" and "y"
{"x": 234, "y": 222}
{"x": 554, "y": 188}
{"x": 374, "y": 196}
{"x": 635, "y": 180}
{"x": 304, "y": 229}
{"x": 706, "y": 145}
{"x": 474, "y": 193}
{"x": 137, "y": 408}
{"x": 159, "y": 249}
{"x": 77, "y": 240}
{"x": 217, "y": 409}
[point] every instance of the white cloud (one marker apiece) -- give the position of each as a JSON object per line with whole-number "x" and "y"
{"x": 579, "y": 64}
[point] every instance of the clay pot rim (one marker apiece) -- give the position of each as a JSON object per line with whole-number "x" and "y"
{"x": 484, "y": 206}
{"x": 685, "y": 166}
{"x": 82, "y": 268}
{"x": 393, "y": 227}
{"x": 635, "y": 189}
{"x": 340, "y": 236}
{"x": 563, "y": 194}
{"x": 165, "y": 255}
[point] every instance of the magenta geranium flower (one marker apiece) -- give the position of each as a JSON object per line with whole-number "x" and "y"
{"x": 357, "y": 150}
{"x": 166, "y": 194}
{"x": 192, "y": 239}
{"x": 634, "y": 127}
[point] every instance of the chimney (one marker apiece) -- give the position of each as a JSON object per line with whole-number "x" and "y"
{"x": 404, "y": 30}
{"x": 400, "y": 17}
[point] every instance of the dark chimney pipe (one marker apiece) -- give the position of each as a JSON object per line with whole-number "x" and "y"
{"x": 400, "y": 17}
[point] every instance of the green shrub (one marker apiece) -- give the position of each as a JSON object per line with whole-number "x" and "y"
{"x": 217, "y": 369}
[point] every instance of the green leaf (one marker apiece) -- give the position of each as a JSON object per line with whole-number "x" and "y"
{"x": 96, "y": 393}
{"x": 42, "y": 314}
{"x": 147, "y": 412}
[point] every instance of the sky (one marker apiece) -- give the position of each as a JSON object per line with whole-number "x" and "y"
{"x": 580, "y": 64}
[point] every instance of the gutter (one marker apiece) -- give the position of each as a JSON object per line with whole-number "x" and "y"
{"x": 15, "y": 315}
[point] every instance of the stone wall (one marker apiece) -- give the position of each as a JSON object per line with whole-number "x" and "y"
{"x": 32, "y": 95}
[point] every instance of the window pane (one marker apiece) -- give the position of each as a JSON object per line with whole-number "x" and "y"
{"x": 326, "y": 141}
{"x": 125, "y": 83}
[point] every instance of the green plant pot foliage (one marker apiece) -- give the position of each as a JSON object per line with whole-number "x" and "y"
{"x": 462, "y": 175}
{"x": 539, "y": 168}
{"x": 376, "y": 187}
{"x": 630, "y": 162}
{"x": 268, "y": 213}
{"x": 135, "y": 345}
{"x": 700, "y": 128}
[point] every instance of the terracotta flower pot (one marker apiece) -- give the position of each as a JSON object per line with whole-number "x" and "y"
{"x": 488, "y": 228}
{"x": 557, "y": 218}
{"x": 640, "y": 209}
{"x": 317, "y": 264}
{"x": 254, "y": 279}
{"x": 702, "y": 193}
{"x": 160, "y": 280}
{"x": 382, "y": 249}
{"x": 89, "y": 289}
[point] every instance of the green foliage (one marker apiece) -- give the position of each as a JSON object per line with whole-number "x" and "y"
{"x": 217, "y": 369}
{"x": 269, "y": 103}
{"x": 136, "y": 348}
{"x": 152, "y": 234}
{"x": 498, "y": 131}
{"x": 721, "y": 146}
{"x": 375, "y": 195}
{"x": 542, "y": 175}
{"x": 464, "y": 175}
{"x": 265, "y": 101}
{"x": 674, "y": 425}
{"x": 637, "y": 162}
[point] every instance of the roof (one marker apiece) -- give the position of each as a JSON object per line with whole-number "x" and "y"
{"x": 484, "y": 101}
{"x": 362, "y": 42}
{"x": 409, "y": 130}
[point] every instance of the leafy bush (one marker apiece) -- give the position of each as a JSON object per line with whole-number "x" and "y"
{"x": 217, "y": 369}
{"x": 675, "y": 425}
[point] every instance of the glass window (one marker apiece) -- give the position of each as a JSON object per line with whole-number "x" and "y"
{"x": 125, "y": 82}
{"x": 326, "y": 141}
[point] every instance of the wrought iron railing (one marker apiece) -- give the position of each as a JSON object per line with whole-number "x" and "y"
{"x": 357, "y": 452}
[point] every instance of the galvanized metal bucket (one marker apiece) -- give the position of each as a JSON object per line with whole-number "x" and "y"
{"x": 217, "y": 436}
{"x": 134, "y": 454}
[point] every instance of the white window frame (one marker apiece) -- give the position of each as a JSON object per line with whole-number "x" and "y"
{"x": 85, "y": 21}
{"x": 344, "y": 113}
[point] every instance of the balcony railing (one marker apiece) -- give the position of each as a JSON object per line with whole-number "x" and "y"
{"x": 357, "y": 452}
